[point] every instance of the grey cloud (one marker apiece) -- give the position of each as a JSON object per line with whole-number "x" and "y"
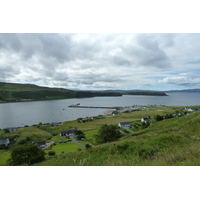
{"x": 189, "y": 79}
{"x": 10, "y": 41}
{"x": 146, "y": 52}
{"x": 121, "y": 62}
{"x": 8, "y": 73}
{"x": 98, "y": 59}
{"x": 41, "y": 45}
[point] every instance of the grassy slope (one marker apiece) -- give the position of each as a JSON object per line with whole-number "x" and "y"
{"x": 65, "y": 147}
{"x": 11, "y": 92}
{"x": 168, "y": 142}
{"x": 4, "y": 156}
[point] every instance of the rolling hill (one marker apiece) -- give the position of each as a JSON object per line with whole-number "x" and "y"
{"x": 13, "y": 92}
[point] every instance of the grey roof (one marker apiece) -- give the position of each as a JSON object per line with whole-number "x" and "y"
{"x": 145, "y": 118}
{"x": 125, "y": 123}
{"x": 69, "y": 131}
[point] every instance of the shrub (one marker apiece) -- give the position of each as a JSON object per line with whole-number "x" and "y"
{"x": 107, "y": 133}
{"x": 51, "y": 153}
{"x": 87, "y": 146}
{"x": 22, "y": 142}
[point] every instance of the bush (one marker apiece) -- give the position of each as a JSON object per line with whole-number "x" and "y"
{"x": 107, "y": 133}
{"x": 158, "y": 118}
{"x": 51, "y": 153}
{"x": 87, "y": 146}
{"x": 22, "y": 142}
{"x": 3, "y": 146}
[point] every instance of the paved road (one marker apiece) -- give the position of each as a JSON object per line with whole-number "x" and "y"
{"x": 129, "y": 129}
{"x": 122, "y": 132}
{"x": 75, "y": 141}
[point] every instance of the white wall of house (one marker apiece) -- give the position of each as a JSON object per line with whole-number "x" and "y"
{"x": 5, "y": 141}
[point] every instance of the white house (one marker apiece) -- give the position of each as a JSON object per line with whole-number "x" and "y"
{"x": 5, "y": 141}
{"x": 124, "y": 124}
{"x": 68, "y": 133}
{"x": 145, "y": 119}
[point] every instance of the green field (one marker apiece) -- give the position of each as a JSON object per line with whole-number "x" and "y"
{"x": 4, "y": 156}
{"x": 90, "y": 135}
{"x": 35, "y": 134}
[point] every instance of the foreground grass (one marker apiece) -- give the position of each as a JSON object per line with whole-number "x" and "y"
{"x": 65, "y": 148}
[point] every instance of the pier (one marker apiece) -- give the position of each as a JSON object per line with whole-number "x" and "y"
{"x": 102, "y": 107}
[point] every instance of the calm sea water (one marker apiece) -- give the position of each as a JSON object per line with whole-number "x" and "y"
{"x": 29, "y": 113}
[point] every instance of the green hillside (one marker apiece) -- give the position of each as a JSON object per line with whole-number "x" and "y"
{"x": 169, "y": 142}
{"x": 12, "y": 92}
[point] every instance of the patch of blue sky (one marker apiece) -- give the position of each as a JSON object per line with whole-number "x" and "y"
{"x": 156, "y": 77}
{"x": 196, "y": 71}
{"x": 174, "y": 74}
{"x": 194, "y": 62}
{"x": 162, "y": 87}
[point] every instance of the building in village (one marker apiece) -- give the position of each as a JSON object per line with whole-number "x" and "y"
{"x": 124, "y": 124}
{"x": 145, "y": 120}
{"x": 68, "y": 133}
{"x": 5, "y": 141}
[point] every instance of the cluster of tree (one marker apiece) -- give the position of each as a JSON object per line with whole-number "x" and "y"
{"x": 107, "y": 133}
{"x": 80, "y": 134}
{"x": 26, "y": 154}
{"x": 161, "y": 117}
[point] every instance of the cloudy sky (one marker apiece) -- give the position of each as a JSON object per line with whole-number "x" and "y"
{"x": 102, "y": 61}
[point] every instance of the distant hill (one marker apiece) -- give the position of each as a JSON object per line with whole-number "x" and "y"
{"x": 14, "y": 92}
{"x": 138, "y": 92}
{"x": 189, "y": 90}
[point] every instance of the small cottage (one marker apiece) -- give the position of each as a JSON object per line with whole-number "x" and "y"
{"x": 145, "y": 120}
{"x": 68, "y": 133}
{"x": 5, "y": 142}
{"x": 124, "y": 124}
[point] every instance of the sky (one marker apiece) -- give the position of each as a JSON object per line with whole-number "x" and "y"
{"x": 102, "y": 61}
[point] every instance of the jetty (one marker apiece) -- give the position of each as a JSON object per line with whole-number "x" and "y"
{"x": 102, "y": 107}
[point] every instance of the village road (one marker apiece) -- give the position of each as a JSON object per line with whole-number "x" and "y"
{"x": 128, "y": 129}
{"x": 75, "y": 141}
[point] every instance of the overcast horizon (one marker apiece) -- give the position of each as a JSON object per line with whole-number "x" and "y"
{"x": 102, "y": 61}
